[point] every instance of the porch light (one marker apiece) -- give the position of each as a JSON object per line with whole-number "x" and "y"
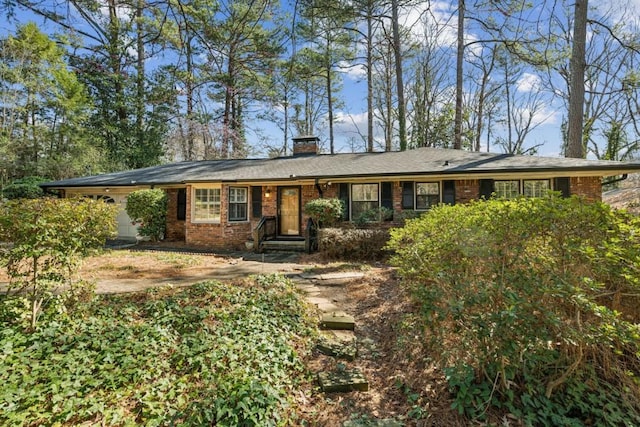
{"x": 267, "y": 193}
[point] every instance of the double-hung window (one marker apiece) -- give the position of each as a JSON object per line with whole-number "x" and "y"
{"x": 364, "y": 197}
{"x": 427, "y": 195}
{"x": 206, "y": 204}
{"x": 507, "y": 189}
{"x": 238, "y": 203}
{"x": 535, "y": 187}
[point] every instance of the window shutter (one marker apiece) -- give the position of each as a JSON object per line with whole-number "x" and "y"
{"x": 562, "y": 185}
{"x": 343, "y": 194}
{"x": 182, "y": 204}
{"x": 387, "y": 195}
{"x": 256, "y": 202}
{"x": 486, "y": 188}
{"x": 449, "y": 192}
{"x": 407, "y": 195}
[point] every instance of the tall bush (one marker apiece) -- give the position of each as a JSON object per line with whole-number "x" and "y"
{"x": 149, "y": 208}
{"x": 325, "y": 212}
{"x": 44, "y": 240}
{"x": 530, "y": 305}
{"x": 24, "y": 188}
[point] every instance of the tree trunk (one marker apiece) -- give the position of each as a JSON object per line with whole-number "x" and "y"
{"x": 457, "y": 143}
{"x": 370, "y": 76}
{"x": 575, "y": 140}
{"x": 140, "y": 81}
{"x": 329, "y": 95}
{"x": 189, "y": 96}
{"x": 402, "y": 120}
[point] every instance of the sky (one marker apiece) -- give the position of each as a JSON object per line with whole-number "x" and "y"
{"x": 548, "y": 131}
{"x": 351, "y": 126}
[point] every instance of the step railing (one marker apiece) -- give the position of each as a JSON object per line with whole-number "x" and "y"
{"x": 311, "y": 236}
{"x": 265, "y": 230}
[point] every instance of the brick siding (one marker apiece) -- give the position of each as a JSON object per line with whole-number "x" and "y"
{"x": 175, "y": 228}
{"x": 467, "y": 190}
{"x": 233, "y": 235}
{"x": 589, "y": 187}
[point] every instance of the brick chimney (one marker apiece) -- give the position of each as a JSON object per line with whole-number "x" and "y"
{"x": 305, "y": 145}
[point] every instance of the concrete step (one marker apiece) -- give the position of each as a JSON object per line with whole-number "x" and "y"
{"x": 283, "y": 245}
{"x": 338, "y": 344}
{"x": 337, "y": 320}
{"x": 342, "y": 380}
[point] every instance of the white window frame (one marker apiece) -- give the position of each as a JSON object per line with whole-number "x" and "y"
{"x": 233, "y": 200}
{"x": 368, "y": 197}
{"x": 417, "y": 192}
{"x": 500, "y": 192}
{"x": 538, "y": 191}
{"x": 211, "y": 217}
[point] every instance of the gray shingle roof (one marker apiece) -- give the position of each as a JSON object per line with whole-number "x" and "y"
{"x": 421, "y": 161}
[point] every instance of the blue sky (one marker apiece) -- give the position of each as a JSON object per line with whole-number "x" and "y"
{"x": 351, "y": 123}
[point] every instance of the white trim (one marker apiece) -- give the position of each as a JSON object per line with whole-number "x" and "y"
{"x": 246, "y": 204}
{"x": 194, "y": 188}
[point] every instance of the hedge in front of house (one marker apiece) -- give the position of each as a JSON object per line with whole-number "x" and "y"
{"x": 353, "y": 243}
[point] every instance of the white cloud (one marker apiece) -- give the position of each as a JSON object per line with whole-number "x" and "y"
{"x": 353, "y": 71}
{"x": 528, "y": 82}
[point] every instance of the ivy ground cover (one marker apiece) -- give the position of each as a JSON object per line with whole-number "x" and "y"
{"x": 213, "y": 354}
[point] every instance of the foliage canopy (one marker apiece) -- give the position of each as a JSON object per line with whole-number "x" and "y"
{"x": 532, "y": 305}
{"x": 326, "y": 212}
{"x": 149, "y": 208}
{"x": 44, "y": 241}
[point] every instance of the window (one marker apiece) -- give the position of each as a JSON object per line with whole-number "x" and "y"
{"x": 364, "y": 197}
{"x": 507, "y": 189}
{"x": 206, "y": 205}
{"x": 237, "y": 204}
{"x": 535, "y": 187}
{"x": 427, "y": 195}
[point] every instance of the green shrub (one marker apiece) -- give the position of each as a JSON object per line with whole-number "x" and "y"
{"x": 44, "y": 241}
{"x": 149, "y": 208}
{"x": 373, "y": 215}
{"x": 325, "y": 212}
{"x": 530, "y": 305}
{"x": 353, "y": 243}
{"x": 24, "y": 188}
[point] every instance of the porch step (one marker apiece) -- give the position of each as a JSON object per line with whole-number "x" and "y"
{"x": 283, "y": 245}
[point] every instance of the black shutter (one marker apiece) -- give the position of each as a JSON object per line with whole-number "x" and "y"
{"x": 256, "y": 202}
{"x": 343, "y": 194}
{"x": 407, "y": 195}
{"x": 387, "y": 195}
{"x": 182, "y": 204}
{"x": 387, "y": 198}
{"x": 449, "y": 192}
{"x": 486, "y": 188}
{"x": 562, "y": 185}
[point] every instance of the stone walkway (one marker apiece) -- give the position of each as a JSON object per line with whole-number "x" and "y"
{"x": 338, "y": 338}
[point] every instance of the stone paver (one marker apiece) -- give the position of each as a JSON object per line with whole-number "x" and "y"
{"x": 343, "y": 381}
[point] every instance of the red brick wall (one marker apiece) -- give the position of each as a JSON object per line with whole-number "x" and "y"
{"x": 221, "y": 236}
{"x": 306, "y": 147}
{"x": 175, "y": 229}
{"x": 233, "y": 235}
{"x": 589, "y": 187}
{"x": 467, "y": 190}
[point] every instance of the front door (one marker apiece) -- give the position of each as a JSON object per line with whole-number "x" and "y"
{"x": 289, "y": 211}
